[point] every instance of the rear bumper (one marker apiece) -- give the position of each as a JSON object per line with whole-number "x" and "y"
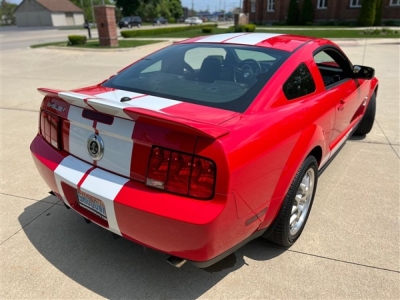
{"x": 195, "y": 230}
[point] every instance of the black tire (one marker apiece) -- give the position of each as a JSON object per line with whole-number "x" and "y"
{"x": 368, "y": 119}
{"x": 284, "y": 234}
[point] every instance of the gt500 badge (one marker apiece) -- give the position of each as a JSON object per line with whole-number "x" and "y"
{"x": 95, "y": 146}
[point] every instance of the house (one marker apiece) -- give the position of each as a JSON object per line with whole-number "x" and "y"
{"x": 48, "y": 13}
{"x": 276, "y": 11}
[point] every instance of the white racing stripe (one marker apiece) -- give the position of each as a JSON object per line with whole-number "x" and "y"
{"x": 252, "y": 39}
{"x": 70, "y": 171}
{"x": 219, "y": 38}
{"x": 74, "y": 98}
{"x": 105, "y": 186}
{"x": 79, "y": 131}
{"x": 117, "y": 95}
{"x": 138, "y": 100}
{"x": 238, "y": 38}
{"x": 118, "y": 145}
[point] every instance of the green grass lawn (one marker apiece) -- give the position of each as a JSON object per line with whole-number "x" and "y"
{"x": 96, "y": 45}
{"x": 338, "y": 33}
{"x": 328, "y": 33}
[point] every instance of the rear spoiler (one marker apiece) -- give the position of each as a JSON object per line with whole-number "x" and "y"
{"x": 147, "y": 116}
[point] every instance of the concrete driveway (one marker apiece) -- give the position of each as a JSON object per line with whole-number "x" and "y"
{"x": 349, "y": 249}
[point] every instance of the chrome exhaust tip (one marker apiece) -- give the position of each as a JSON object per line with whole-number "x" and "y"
{"x": 176, "y": 261}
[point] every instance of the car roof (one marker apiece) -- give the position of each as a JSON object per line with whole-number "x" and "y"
{"x": 285, "y": 42}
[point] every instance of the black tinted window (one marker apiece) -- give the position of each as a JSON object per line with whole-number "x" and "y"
{"x": 216, "y": 75}
{"x": 300, "y": 83}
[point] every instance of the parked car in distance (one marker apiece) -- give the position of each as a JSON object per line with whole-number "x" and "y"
{"x": 193, "y": 20}
{"x": 206, "y": 144}
{"x": 130, "y": 22}
{"x": 160, "y": 21}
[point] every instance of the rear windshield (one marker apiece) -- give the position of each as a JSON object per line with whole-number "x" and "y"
{"x": 215, "y": 75}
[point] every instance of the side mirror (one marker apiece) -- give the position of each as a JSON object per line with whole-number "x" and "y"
{"x": 363, "y": 72}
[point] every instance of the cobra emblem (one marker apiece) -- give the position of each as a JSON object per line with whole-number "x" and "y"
{"x": 95, "y": 146}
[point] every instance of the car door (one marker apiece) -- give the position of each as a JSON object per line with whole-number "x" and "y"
{"x": 346, "y": 92}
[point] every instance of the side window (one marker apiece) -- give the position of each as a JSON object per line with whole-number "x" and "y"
{"x": 332, "y": 66}
{"x": 194, "y": 57}
{"x": 156, "y": 67}
{"x": 299, "y": 84}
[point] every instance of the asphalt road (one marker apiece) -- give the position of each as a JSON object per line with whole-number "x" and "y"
{"x": 13, "y": 37}
{"x": 349, "y": 249}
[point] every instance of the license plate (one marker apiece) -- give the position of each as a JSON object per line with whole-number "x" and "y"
{"x": 93, "y": 204}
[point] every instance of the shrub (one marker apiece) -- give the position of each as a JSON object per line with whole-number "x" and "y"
{"x": 162, "y": 30}
{"x": 293, "y": 13}
{"x": 250, "y": 28}
{"x": 238, "y": 28}
{"x": 171, "y": 20}
{"x": 307, "y": 13}
{"x": 77, "y": 39}
{"x": 378, "y": 13}
{"x": 392, "y": 23}
{"x": 207, "y": 29}
{"x": 367, "y": 13}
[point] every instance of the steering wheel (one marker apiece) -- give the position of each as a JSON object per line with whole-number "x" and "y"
{"x": 188, "y": 70}
{"x": 246, "y": 71}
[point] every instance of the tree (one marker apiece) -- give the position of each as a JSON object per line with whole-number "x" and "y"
{"x": 7, "y": 13}
{"x": 378, "y": 13}
{"x": 86, "y": 6}
{"x": 367, "y": 13}
{"x": 293, "y": 13}
{"x": 129, "y": 7}
{"x": 175, "y": 8}
{"x": 307, "y": 13}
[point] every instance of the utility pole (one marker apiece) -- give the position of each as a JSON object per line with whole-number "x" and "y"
{"x": 93, "y": 16}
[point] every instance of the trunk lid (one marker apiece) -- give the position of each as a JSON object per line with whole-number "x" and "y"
{"x": 121, "y": 133}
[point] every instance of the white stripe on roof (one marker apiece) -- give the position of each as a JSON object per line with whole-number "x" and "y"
{"x": 238, "y": 38}
{"x": 253, "y": 38}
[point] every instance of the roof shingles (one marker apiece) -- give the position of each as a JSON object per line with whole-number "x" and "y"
{"x": 59, "y": 5}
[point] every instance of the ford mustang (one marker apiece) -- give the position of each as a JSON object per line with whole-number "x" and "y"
{"x": 204, "y": 145}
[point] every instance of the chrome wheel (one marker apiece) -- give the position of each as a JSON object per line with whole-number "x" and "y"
{"x": 302, "y": 201}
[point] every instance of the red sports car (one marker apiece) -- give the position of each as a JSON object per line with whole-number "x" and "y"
{"x": 206, "y": 144}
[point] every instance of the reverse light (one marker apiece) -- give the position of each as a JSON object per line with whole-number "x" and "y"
{"x": 181, "y": 173}
{"x": 49, "y": 128}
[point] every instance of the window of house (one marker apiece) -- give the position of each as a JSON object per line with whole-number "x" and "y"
{"x": 253, "y": 6}
{"x": 299, "y": 84}
{"x": 355, "y": 3}
{"x": 322, "y": 4}
{"x": 271, "y": 5}
{"x": 394, "y": 2}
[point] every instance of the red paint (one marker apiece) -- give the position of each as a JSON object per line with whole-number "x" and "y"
{"x": 256, "y": 154}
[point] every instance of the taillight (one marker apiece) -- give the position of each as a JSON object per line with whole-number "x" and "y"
{"x": 181, "y": 173}
{"x": 49, "y": 128}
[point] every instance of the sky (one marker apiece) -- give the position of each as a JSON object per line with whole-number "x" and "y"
{"x": 212, "y": 5}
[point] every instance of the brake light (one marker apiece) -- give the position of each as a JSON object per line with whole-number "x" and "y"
{"x": 181, "y": 173}
{"x": 49, "y": 128}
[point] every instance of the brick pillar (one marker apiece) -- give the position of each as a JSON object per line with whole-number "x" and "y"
{"x": 106, "y": 25}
